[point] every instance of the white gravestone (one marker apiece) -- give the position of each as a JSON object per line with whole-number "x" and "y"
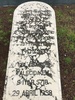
{"x": 33, "y": 67}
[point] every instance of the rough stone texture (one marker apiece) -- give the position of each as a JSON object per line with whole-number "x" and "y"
{"x": 33, "y": 67}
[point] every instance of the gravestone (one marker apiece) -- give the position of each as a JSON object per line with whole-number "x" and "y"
{"x": 33, "y": 71}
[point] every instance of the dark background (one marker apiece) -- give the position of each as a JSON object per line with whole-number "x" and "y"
{"x": 51, "y": 2}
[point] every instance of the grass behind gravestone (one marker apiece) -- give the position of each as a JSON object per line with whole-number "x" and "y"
{"x": 67, "y": 60}
{"x": 65, "y": 19}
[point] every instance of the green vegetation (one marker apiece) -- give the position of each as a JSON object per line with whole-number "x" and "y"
{"x": 0, "y": 23}
{"x": 67, "y": 60}
{"x": 62, "y": 32}
{"x": 66, "y": 71}
{"x": 73, "y": 98}
{"x": 70, "y": 41}
{"x": 3, "y": 37}
{"x": 10, "y": 20}
{"x": 68, "y": 18}
{"x": 3, "y": 33}
{"x": 71, "y": 37}
{"x": 59, "y": 13}
{"x": 66, "y": 37}
{"x": 0, "y": 20}
{"x": 71, "y": 47}
{"x": 11, "y": 10}
{"x": 0, "y": 26}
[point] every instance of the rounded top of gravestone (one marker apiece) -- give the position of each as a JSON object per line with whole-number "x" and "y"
{"x": 38, "y": 5}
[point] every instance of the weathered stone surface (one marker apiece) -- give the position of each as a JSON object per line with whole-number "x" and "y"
{"x": 33, "y": 67}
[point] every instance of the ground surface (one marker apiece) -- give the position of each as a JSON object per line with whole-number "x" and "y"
{"x": 65, "y": 16}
